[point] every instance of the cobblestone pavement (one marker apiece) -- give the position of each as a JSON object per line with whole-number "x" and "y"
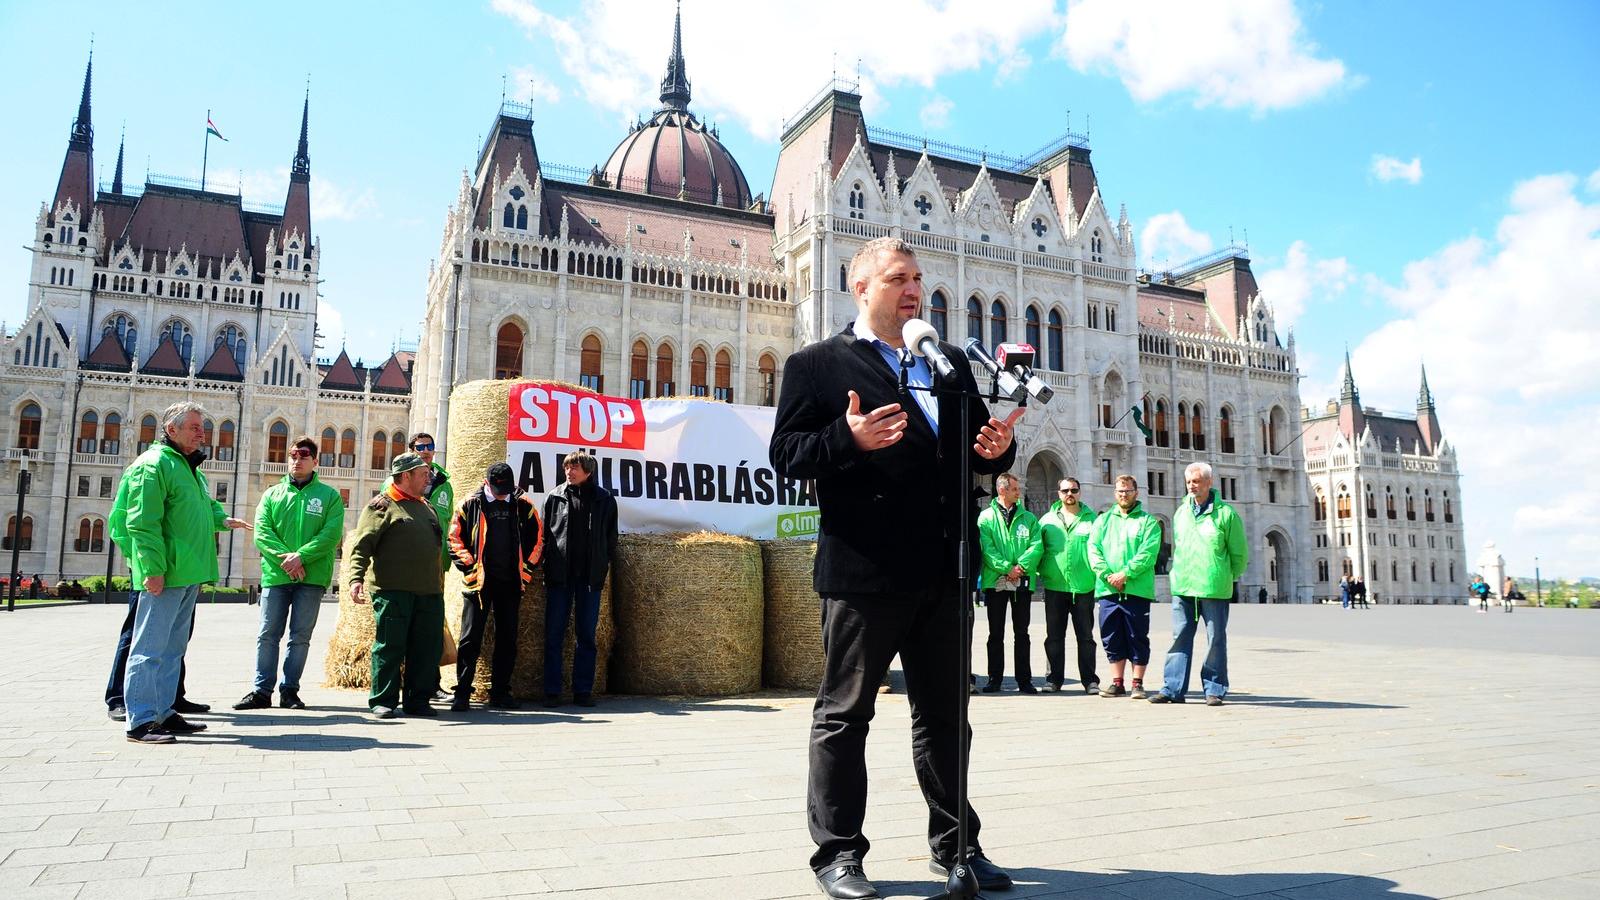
{"x": 1345, "y": 764}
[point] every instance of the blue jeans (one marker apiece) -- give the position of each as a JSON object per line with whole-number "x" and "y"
{"x": 583, "y": 604}
{"x": 160, "y": 637}
{"x": 1214, "y": 671}
{"x": 294, "y": 604}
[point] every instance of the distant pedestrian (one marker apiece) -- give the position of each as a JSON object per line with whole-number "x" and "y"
{"x": 1358, "y": 594}
{"x": 1344, "y": 591}
{"x": 1509, "y": 594}
{"x": 1068, "y": 586}
{"x": 1122, "y": 551}
{"x": 1480, "y": 589}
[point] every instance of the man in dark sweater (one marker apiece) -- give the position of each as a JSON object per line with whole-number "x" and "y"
{"x": 495, "y": 539}
{"x": 580, "y": 538}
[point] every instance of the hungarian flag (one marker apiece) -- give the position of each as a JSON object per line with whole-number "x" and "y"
{"x": 1138, "y": 419}
{"x": 211, "y": 128}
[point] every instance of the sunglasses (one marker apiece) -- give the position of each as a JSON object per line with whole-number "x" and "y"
{"x": 1069, "y": 490}
{"x": 423, "y": 448}
{"x": 300, "y": 453}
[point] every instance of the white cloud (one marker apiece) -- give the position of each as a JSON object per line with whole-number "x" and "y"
{"x": 1389, "y": 168}
{"x": 528, "y": 85}
{"x": 1167, "y": 241}
{"x": 1507, "y": 327}
{"x": 1593, "y": 182}
{"x": 936, "y": 112}
{"x": 329, "y": 201}
{"x": 617, "y": 49}
{"x": 1229, "y": 53}
{"x": 1302, "y": 280}
{"x": 330, "y": 324}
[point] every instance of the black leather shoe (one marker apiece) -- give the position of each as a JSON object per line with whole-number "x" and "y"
{"x": 176, "y": 724}
{"x": 148, "y": 733}
{"x": 1027, "y": 687}
{"x": 254, "y": 700}
{"x": 504, "y": 703}
{"x": 190, "y": 707}
{"x": 551, "y": 701}
{"x": 288, "y": 699}
{"x": 990, "y": 876}
{"x": 461, "y": 703}
{"x": 846, "y": 881}
{"x": 422, "y": 711}
{"x": 584, "y": 700}
{"x": 992, "y": 686}
{"x": 118, "y": 713}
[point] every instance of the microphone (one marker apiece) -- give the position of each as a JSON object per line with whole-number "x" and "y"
{"x": 1019, "y": 359}
{"x": 1008, "y": 384}
{"x": 923, "y": 340}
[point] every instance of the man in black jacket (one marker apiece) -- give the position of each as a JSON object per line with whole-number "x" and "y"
{"x": 495, "y": 541}
{"x": 580, "y": 538}
{"x": 887, "y": 471}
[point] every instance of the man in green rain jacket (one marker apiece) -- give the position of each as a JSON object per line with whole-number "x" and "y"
{"x": 1068, "y": 586}
{"x": 1122, "y": 553}
{"x": 1008, "y": 538}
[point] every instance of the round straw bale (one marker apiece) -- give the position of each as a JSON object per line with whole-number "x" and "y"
{"x": 349, "y": 660}
{"x": 688, "y": 609}
{"x": 792, "y": 640}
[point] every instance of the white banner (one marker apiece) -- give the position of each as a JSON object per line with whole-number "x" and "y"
{"x": 673, "y": 465}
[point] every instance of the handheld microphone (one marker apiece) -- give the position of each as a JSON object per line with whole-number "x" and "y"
{"x": 923, "y": 340}
{"x": 1019, "y": 359}
{"x": 1007, "y": 383}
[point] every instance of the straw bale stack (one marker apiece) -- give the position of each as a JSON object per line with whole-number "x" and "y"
{"x": 688, "y": 610}
{"x": 349, "y": 660}
{"x": 792, "y": 643}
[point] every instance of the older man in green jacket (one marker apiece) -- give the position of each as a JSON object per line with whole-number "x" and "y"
{"x": 164, "y": 520}
{"x": 1122, "y": 553}
{"x": 1068, "y": 586}
{"x": 1209, "y": 553}
{"x": 1008, "y": 538}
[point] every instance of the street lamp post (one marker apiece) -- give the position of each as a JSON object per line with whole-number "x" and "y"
{"x": 1538, "y": 586}
{"x": 24, "y": 477}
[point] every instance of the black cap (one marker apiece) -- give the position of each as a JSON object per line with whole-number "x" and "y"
{"x": 501, "y": 479}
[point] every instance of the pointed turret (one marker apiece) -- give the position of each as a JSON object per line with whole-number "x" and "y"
{"x": 1427, "y": 418}
{"x": 116, "y": 179}
{"x": 1351, "y": 420}
{"x": 77, "y": 170}
{"x": 675, "y": 84}
{"x": 297, "y": 206}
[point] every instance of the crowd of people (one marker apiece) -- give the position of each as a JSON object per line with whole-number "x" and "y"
{"x": 164, "y": 517}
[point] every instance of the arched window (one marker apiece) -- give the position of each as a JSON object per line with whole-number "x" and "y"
{"x": 127, "y": 335}
{"x": 380, "y": 451}
{"x": 277, "y": 443}
{"x": 724, "y": 377}
{"x": 88, "y": 432}
{"x": 974, "y": 317}
{"x": 508, "y": 351}
{"x": 1372, "y": 504}
{"x": 347, "y": 449}
{"x": 939, "y": 315}
{"x": 509, "y": 220}
{"x": 1449, "y": 514}
{"x": 666, "y": 378}
{"x": 997, "y": 323}
{"x": 1163, "y": 439}
{"x": 225, "y": 437}
{"x": 1096, "y": 247}
{"x": 1057, "y": 350}
{"x": 18, "y": 537}
{"x": 210, "y": 433}
{"x": 697, "y": 373}
{"x": 1342, "y": 502}
{"x": 147, "y": 432}
{"x": 767, "y": 371}
{"x": 181, "y": 338}
{"x": 1031, "y": 332}
{"x": 522, "y": 218}
{"x": 1183, "y": 426}
{"x": 1427, "y": 505}
{"x": 639, "y": 371}
{"x": 1388, "y": 502}
{"x": 1411, "y": 508}
{"x": 844, "y": 279}
{"x": 589, "y": 354}
{"x": 1319, "y": 507}
{"x": 329, "y": 445}
{"x": 1197, "y": 430}
{"x": 1225, "y": 429}
{"x": 397, "y": 444}
{"x": 111, "y": 434}
{"x": 1322, "y": 570}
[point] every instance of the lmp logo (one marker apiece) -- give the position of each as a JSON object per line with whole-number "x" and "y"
{"x": 799, "y": 524}
{"x": 314, "y": 506}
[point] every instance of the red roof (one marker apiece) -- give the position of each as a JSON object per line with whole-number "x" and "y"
{"x": 341, "y": 375}
{"x": 512, "y": 137}
{"x": 222, "y": 365}
{"x": 165, "y": 361}
{"x": 674, "y": 154}
{"x": 108, "y": 354}
{"x": 663, "y": 223}
{"x": 209, "y": 225}
{"x": 393, "y": 375}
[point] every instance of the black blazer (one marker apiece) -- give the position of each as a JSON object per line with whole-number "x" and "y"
{"x": 891, "y": 518}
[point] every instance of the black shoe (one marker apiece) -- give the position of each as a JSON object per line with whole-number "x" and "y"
{"x": 990, "y": 876}
{"x": 584, "y": 700}
{"x": 148, "y": 733}
{"x": 1164, "y": 697}
{"x": 551, "y": 701}
{"x": 254, "y": 700}
{"x": 190, "y": 707}
{"x": 1027, "y": 687}
{"x": 992, "y": 686}
{"x": 846, "y": 881}
{"x": 504, "y": 703}
{"x": 1213, "y": 700}
{"x": 461, "y": 703}
{"x": 422, "y": 711}
{"x": 176, "y": 724}
{"x": 118, "y": 713}
{"x": 290, "y": 699}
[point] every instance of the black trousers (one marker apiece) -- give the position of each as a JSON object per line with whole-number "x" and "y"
{"x": 861, "y": 633}
{"x": 1021, "y": 604}
{"x": 1059, "y": 607}
{"x": 119, "y": 659}
{"x": 503, "y": 600}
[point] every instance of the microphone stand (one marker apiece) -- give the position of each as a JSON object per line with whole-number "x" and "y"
{"x": 963, "y": 882}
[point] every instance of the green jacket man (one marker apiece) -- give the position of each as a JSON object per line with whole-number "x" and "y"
{"x": 307, "y": 520}
{"x": 1064, "y": 563}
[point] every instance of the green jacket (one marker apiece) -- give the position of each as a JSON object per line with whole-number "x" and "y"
{"x": 164, "y": 519}
{"x": 1003, "y": 548}
{"x": 394, "y": 547}
{"x": 1065, "y": 563}
{"x": 1209, "y": 551}
{"x": 1125, "y": 542}
{"x": 308, "y": 521}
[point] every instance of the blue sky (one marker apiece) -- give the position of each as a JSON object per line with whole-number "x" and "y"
{"x": 1418, "y": 181}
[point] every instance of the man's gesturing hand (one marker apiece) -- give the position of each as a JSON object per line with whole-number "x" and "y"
{"x": 995, "y": 437}
{"x": 877, "y": 429}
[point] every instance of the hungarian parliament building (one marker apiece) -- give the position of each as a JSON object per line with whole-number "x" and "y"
{"x": 659, "y": 272}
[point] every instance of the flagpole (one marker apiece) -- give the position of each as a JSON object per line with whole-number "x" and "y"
{"x": 206, "y": 154}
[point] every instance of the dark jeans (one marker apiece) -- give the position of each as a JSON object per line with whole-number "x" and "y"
{"x": 582, "y": 604}
{"x": 410, "y": 630}
{"x": 1059, "y": 607}
{"x": 119, "y": 660}
{"x": 503, "y": 600}
{"x": 1021, "y": 603}
{"x": 861, "y": 633}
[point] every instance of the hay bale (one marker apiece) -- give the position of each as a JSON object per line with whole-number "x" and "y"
{"x": 349, "y": 660}
{"x": 688, "y": 610}
{"x": 792, "y": 638}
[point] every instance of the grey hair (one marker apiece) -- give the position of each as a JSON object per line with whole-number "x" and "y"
{"x": 863, "y": 264}
{"x": 1006, "y": 476}
{"x": 177, "y": 412}
{"x": 1204, "y": 468}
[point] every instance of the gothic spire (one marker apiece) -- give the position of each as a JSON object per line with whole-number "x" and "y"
{"x": 83, "y": 125}
{"x": 116, "y": 179}
{"x": 1347, "y": 391}
{"x": 301, "y": 170}
{"x": 675, "y": 84}
{"x": 1424, "y": 396}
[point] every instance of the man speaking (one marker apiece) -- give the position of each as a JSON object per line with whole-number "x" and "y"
{"x": 887, "y": 469}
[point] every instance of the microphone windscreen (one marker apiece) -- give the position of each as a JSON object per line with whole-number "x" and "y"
{"x": 915, "y": 332}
